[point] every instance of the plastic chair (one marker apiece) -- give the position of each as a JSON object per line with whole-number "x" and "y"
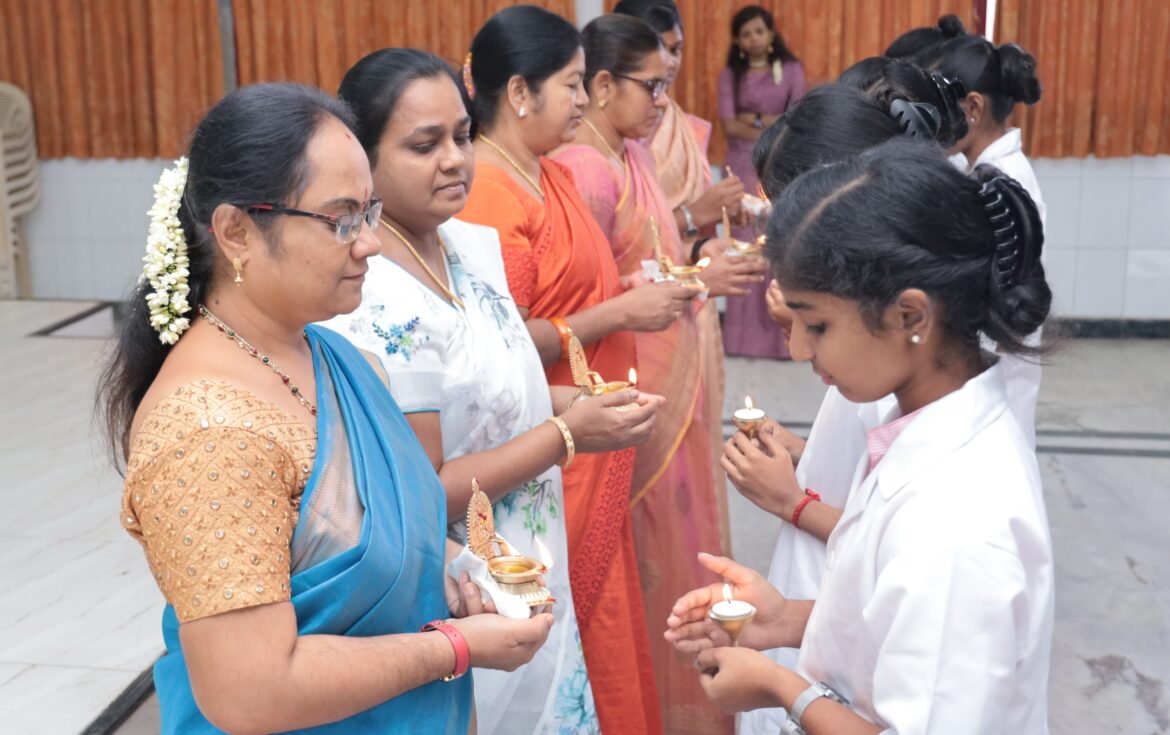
{"x": 21, "y": 189}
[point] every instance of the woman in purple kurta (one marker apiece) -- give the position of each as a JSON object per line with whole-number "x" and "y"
{"x": 761, "y": 80}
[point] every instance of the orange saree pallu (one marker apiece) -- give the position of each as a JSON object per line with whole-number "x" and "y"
{"x": 559, "y": 263}
{"x": 675, "y": 513}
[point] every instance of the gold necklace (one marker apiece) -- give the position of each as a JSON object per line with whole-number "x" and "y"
{"x": 515, "y": 166}
{"x": 246, "y": 346}
{"x": 442, "y": 249}
{"x": 604, "y": 142}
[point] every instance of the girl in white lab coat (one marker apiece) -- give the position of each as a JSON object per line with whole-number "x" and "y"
{"x": 997, "y": 78}
{"x": 935, "y": 611}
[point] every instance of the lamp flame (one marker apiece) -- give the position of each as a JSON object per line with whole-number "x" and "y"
{"x": 703, "y": 262}
{"x": 727, "y": 591}
{"x": 543, "y": 555}
{"x": 633, "y": 376}
{"x": 747, "y": 402}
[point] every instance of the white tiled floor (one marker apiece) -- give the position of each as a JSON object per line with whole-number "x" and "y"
{"x": 79, "y": 616}
{"x": 80, "y": 613}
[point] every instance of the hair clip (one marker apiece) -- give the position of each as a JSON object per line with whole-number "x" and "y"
{"x": 468, "y": 84}
{"x": 1004, "y": 230}
{"x": 917, "y": 119}
{"x": 952, "y": 91}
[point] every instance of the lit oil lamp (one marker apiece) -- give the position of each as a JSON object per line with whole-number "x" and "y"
{"x": 688, "y": 275}
{"x": 749, "y": 419}
{"x": 591, "y": 383}
{"x": 515, "y": 573}
{"x": 731, "y": 615}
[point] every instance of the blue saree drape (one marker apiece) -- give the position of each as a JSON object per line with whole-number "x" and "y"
{"x": 391, "y": 581}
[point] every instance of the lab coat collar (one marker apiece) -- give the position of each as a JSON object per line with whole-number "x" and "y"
{"x": 1005, "y": 145}
{"x": 939, "y": 429}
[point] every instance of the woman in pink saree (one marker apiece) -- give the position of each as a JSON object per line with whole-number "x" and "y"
{"x": 674, "y": 506}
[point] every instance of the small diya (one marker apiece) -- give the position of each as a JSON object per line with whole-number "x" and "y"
{"x": 591, "y": 383}
{"x": 731, "y": 615}
{"x": 749, "y": 419}
{"x": 688, "y": 275}
{"x": 754, "y": 249}
{"x": 515, "y": 573}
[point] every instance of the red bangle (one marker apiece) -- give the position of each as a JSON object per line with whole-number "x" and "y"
{"x": 809, "y": 496}
{"x": 462, "y": 651}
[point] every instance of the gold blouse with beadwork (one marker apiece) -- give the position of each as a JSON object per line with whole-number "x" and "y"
{"x": 213, "y": 487}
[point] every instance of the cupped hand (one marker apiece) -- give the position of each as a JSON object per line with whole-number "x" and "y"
{"x": 690, "y": 630}
{"x": 598, "y": 426}
{"x": 730, "y": 274}
{"x": 502, "y": 643}
{"x": 738, "y": 679}
{"x": 763, "y": 474}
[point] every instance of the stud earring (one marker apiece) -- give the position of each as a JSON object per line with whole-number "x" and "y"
{"x": 971, "y": 120}
{"x": 915, "y": 339}
{"x": 523, "y": 112}
{"x": 603, "y": 104}
{"x": 239, "y": 266}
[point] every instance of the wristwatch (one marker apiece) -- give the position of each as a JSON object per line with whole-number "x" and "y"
{"x": 691, "y": 230}
{"x": 817, "y": 690}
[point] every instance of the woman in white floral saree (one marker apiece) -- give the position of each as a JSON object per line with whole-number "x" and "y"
{"x": 437, "y": 310}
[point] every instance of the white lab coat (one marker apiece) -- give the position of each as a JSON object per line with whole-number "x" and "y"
{"x": 836, "y": 442}
{"x": 935, "y": 611}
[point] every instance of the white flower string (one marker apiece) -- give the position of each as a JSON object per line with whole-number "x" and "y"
{"x": 166, "y": 264}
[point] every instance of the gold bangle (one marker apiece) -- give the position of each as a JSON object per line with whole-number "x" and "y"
{"x": 570, "y": 446}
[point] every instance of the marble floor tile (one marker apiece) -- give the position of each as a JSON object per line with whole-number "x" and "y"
{"x": 56, "y": 700}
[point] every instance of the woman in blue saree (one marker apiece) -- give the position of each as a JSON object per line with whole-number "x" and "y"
{"x": 299, "y": 542}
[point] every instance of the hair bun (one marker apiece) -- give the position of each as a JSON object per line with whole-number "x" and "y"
{"x": 1018, "y": 74}
{"x": 951, "y": 26}
{"x": 1020, "y": 296}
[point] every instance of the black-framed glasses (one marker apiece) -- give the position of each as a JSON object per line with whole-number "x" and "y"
{"x": 346, "y": 227}
{"x": 653, "y": 86}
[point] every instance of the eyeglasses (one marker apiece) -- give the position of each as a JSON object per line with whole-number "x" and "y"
{"x": 346, "y": 227}
{"x": 653, "y": 86}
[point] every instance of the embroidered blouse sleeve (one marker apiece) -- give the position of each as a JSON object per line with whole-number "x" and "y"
{"x": 214, "y": 506}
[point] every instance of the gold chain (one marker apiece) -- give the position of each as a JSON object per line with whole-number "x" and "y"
{"x": 512, "y": 162}
{"x": 442, "y": 248}
{"x": 604, "y": 142}
{"x": 244, "y": 345}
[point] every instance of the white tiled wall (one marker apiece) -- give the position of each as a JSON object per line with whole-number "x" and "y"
{"x": 1108, "y": 239}
{"x": 1108, "y": 244}
{"x": 87, "y": 236}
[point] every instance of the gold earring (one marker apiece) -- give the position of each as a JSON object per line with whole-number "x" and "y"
{"x": 239, "y": 266}
{"x": 603, "y": 104}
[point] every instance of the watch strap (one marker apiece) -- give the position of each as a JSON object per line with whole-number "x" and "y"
{"x": 458, "y": 642}
{"x": 814, "y": 692}
{"x": 691, "y": 230}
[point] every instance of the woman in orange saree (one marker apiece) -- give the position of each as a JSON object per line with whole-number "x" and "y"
{"x": 675, "y": 511}
{"x": 528, "y": 100}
